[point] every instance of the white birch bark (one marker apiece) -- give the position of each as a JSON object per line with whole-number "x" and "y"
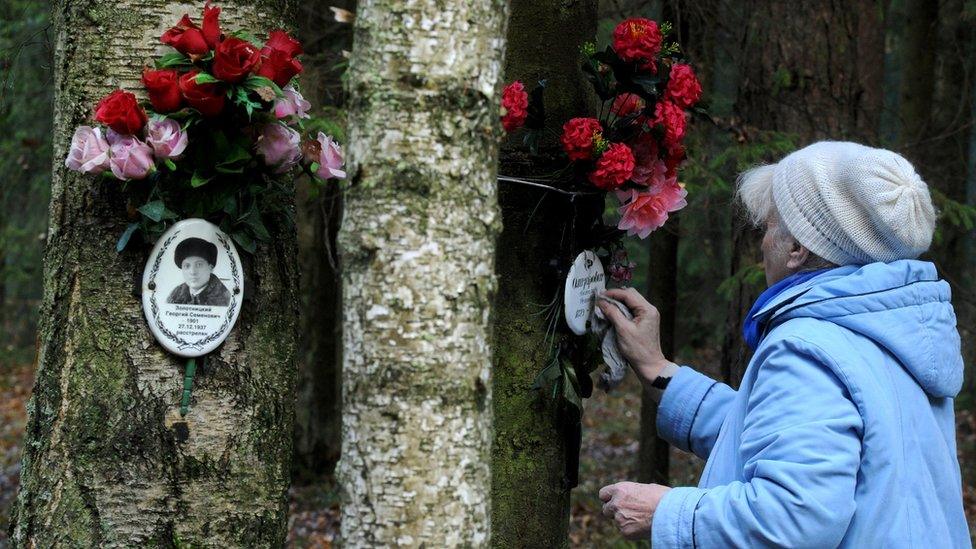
{"x": 418, "y": 249}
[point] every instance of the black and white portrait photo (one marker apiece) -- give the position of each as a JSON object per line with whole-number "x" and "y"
{"x": 192, "y": 287}
{"x": 196, "y": 259}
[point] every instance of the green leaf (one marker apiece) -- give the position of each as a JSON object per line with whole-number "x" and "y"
{"x": 234, "y": 160}
{"x": 244, "y": 35}
{"x": 244, "y": 241}
{"x": 171, "y": 60}
{"x": 205, "y": 78}
{"x": 170, "y": 164}
{"x": 199, "y": 180}
{"x": 126, "y": 235}
{"x": 153, "y": 210}
{"x": 255, "y": 82}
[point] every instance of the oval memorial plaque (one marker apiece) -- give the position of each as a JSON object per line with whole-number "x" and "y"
{"x": 585, "y": 279}
{"x": 192, "y": 288}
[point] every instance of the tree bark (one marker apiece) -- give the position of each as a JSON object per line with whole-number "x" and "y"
{"x": 530, "y": 461}
{"x": 417, "y": 246}
{"x": 108, "y": 460}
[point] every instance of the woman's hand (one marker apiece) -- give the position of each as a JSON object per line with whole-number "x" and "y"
{"x": 632, "y": 506}
{"x": 639, "y": 340}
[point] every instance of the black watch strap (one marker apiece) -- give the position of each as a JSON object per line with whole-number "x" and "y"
{"x": 661, "y": 382}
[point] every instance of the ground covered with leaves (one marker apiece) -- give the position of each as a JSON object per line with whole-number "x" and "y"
{"x": 610, "y": 449}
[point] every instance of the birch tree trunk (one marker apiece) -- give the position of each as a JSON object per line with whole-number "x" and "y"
{"x": 418, "y": 245}
{"x": 108, "y": 461}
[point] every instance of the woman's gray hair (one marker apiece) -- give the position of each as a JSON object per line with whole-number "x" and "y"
{"x": 754, "y": 189}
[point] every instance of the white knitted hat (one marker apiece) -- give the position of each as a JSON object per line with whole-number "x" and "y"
{"x": 852, "y": 204}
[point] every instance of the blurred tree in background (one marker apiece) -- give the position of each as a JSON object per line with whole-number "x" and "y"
{"x": 26, "y": 96}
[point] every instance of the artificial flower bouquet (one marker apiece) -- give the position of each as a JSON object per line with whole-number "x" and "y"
{"x": 634, "y": 147}
{"x": 220, "y": 133}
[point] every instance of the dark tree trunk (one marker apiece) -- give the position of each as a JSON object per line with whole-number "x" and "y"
{"x": 530, "y": 486}
{"x": 653, "y": 459}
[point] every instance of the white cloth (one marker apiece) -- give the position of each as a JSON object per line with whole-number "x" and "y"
{"x": 617, "y": 365}
{"x": 852, "y": 204}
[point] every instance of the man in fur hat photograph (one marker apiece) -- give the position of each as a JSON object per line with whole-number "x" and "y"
{"x": 196, "y": 259}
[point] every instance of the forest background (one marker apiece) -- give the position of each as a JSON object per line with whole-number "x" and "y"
{"x": 777, "y": 75}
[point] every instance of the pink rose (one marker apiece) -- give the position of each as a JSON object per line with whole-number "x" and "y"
{"x": 645, "y": 211}
{"x": 291, "y": 105}
{"x": 329, "y": 158}
{"x": 88, "y": 152}
{"x": 279, "y": 145}
{"x": 130, "y": 157}
{"x": 166, "y": 137}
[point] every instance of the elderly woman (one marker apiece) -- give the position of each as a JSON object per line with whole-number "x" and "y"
{"x": 842, "y": 431}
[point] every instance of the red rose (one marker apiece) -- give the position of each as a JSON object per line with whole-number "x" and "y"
{"x": 234, "y": 58}
{"x": 282, "y": 41}
{"x": 187, "y": 38}
{"x": 516, "y": 104}
{"x": 672, "y": 117}
{"x": 683, "y": 88}
{"x": 578, "y": 136}
{"x": 120, "y": 111}
{"x": 211, "y": 26}
{"x": 638, "y": 39}
{"x": 278, "y": 61}
{"x": 164, "y": 89}
{"x": 206, "y": 98}
{"x": 613, "y": 168}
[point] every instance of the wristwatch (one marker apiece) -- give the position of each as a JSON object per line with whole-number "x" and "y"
{"x": 662, "y": 380}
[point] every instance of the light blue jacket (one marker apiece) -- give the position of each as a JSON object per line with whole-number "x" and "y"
{"x": 842, "y": 431}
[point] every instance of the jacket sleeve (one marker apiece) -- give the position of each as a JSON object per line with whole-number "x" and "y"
{"x": 692, "y": 410}
{"x": 800, "y": 449}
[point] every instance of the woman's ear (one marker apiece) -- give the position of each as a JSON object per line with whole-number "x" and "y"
{"x": 798, "y": 256}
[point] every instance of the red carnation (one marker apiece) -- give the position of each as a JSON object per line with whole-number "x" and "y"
{"x": 211, "y": 25}
{"x": 613, "y": 168}
{"x": 187, "y": 38}
{"x": 672, "y": 117}
{"x": 683, "y": 87}
{"x": 120, "y": 111}
{"x": 278, "y": 61}
{"x": 164, "y": 89}
{"x": 234, "y": 58}
{"x": 516, "y": 104}
{"x": 639, "y": 40}
{"x": 626, "y": 103}
{"x": 578, "y": 136}
{"x": 206, "y": 98}
{"x": 674, "y": 159}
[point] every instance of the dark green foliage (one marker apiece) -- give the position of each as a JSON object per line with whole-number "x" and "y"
{"x": 26, "y": 91}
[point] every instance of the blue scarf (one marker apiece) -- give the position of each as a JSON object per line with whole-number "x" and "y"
{"x": 752, "y": 328}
